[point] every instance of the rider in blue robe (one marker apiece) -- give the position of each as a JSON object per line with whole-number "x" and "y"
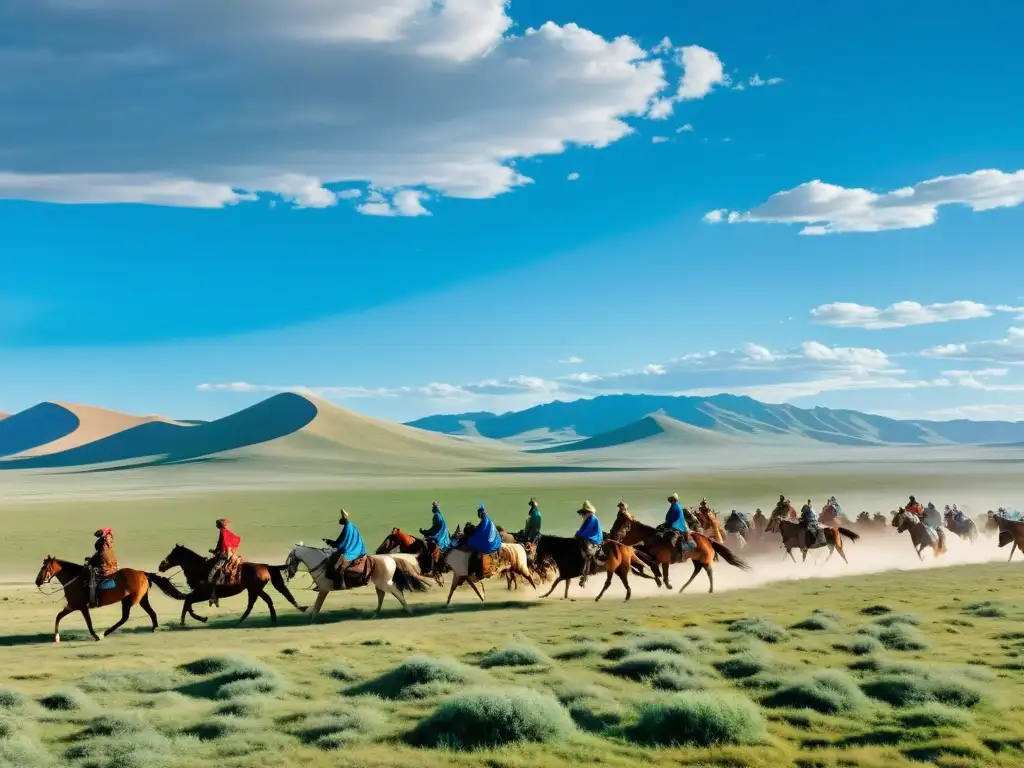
{"x": 348, "y": 548}
{"x": 675, "y": 527}
{"x": 484, "y": 540}
{"x": 809, "y": 520}
{"x": 438, "y": 531}
{"x": 590, "y": 537}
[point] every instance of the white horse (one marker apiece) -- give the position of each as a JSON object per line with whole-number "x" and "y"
{"x": 391, "y": 574}
{"x": 510, "y": 558}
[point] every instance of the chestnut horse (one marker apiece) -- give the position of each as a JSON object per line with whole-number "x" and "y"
{"x": 1010, "y": 532}
{"x": 252, "y": 578}
{"x": 796, "y": 536}
{"x": 649, "y": 541}
{"x": 908, "y": 521}
{"x": 410, "y": 545}
{"x": 130, "y": 588}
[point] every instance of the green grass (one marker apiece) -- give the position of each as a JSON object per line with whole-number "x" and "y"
{"x": 662, "y": 670}
{"x": 514, "y": 656}
{"x": 699, "y": 719}
{"x": 829, "y": 691}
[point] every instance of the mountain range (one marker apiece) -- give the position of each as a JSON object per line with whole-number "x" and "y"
{"x": 613, "y": 420}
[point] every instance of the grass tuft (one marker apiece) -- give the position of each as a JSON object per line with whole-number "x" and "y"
{"x": 578, "y": 651}
{"x": 67, "y": 700}
{"x": 760, "y": 628}
{"x": 861, "y": 645}
{"x": 10, "y": 699}
{"x": 341, "y": 673}
{"x": 897, "y": 618}
{"x": 128, "y": 681}
{"x": 987, "y": 609}
{"x": 487, "y": 718}
{"x": 744, "y": 664}
{"x": 935, "y": 715}
{"x": 338, "y": 729}
{"x": 699, "y": 719}
{"x": 829, "y": 691}
{"x": 897, "y": 636}
{"x": 662, "y": 670}
{"x": 902, "y": 689}
{"x": 819, "y": 621}
{"x": 514, "y": 656}
{"x": 418, "y": 677}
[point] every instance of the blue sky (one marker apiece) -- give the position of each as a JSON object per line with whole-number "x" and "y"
{"x": 410, "y": 207}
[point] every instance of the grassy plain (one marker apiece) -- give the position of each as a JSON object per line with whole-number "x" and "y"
{"x": 818, "y": 674}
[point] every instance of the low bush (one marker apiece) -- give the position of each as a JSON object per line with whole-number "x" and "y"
{"x": 760, "y": 628}
{"x": 417, "y": 677}
{"x": 744, "y": 664}
{"x": 514, "y": 656}
{"x": 662, "y": 670}
{"x": 67, "y": 700}
{"x": 829, "y": 691}
{"x": 699, "y": 719}
{"x": 486, "y": 718}
{"x": 935, "y": 715}
{"x": 922, "y": 686}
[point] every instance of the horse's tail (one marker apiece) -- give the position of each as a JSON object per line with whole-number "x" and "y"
{"x": 726, "y": 554}
{"x": 278, "y": 581}
{"x": 942, "y": 541}
{"x": 166, "y": 586}
{"x": 851, "y": 535}
{"x": 642, "y": 557}
{"x": 408, "y": 578}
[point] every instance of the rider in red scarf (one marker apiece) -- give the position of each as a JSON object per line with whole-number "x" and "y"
{"x": 225, "y": 552}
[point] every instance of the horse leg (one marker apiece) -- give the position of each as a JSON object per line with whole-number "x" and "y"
{"x": 711, "y": 579}
{"x": 842, "y": 554}
{"x": 455, "y": 583}
{"x": 697, "y": 565}
{"x": 56, "y": 624}
{"x": 472, "y": 584}
{"x": 320, "y": 598}
{"x": 623, "y": 573}
{"x": 803, "y": 551}
{"x": 553, "y": 587}
{"x": 248, "y": 608}
{"x": 193, "y": 614}
{"x": 664, "y": 576}
{"x": 380, "y": 600}
{"x": 270, "y": 605}
{"x": 144, "y": 602}
{"x": 1014, "y": 547}
{"x": 88, "y": 624}
{"x": 607, "y": 583}
{"x": 789, "y": 552}
{"x": 126, "y": 610}
{"x": 400, "y": 595}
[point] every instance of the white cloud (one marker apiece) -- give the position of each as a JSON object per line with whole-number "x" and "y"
{"x": 900, "y": 314}
{"x": 583, "y": 377}
{"x": 702, "y": 71}
{"x": 714, "y": 217}
{"x": 571, "y": 360}
{"x": 687, "y": 128}
{"x": 759, "y": 353}
{"x": 1008, "y": 350}
{"x": 661, "y": 109}
{"x": 573, "y": 176}
{"x": 405, "y": 202}
{"x": 654, "y": 369}
{"x": 827, "y": 208}
{"x": 172, "y": 103}
{"x": 756, "y": 81}
{"x": 659, "y": 139}
{"x": 665, "y": 46}
{"x": 341, "y": 393}
{"x": 980, "y": 412}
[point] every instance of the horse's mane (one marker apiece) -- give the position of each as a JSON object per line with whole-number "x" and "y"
{"x": 67, "y": 565}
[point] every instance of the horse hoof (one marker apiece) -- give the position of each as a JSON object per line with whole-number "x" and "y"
{"x": 97, "y": 638}
{"x": 56, "y": 639}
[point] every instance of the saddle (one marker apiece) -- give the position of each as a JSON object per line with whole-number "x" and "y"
{"x": 357, "y": 572}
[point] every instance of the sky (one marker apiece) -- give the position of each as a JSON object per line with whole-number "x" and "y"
{"x": 424, "y": 206}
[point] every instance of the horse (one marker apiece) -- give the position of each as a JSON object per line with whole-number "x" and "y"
{"x": 509, "y": 557}
{"x": 908, "y": 521}
{"x": 511, "y": 579}
{"x": 709, "y": 526}
{"x": 963, "y": 527}
{"x": 738, "y": 527}
{"x": 1010, "y": 532}
{"x": 564, "y": 554}
{"x": 407, "y": 544}
{"x": 390, "y": 574}
{"x": 796, "y": 536}
{"x": 252, "y": 578}
{"x": 131, "y": 588}
{"x": 648, "y": 541}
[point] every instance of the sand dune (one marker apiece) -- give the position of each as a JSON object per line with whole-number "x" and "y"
{"x": 283, "y": 426}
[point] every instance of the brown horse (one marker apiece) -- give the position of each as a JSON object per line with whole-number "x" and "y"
{"x": 709, "y": 525}
{"x": 649, "y": 541}
{"x": 410, "y": 545}
{"x": 1010, "y": 532}
{"x": 564, "y": 555}
{"x": 796, "y": 536}
{"x": 919, "y": 535}
{"x": 252, "y": 578}
{"x": 130, "y": 588}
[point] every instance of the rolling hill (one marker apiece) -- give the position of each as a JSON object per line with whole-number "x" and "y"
{"x": 653, "y": 431}
{"x": 602, "y": 417}
{"x": 284, "y": 427}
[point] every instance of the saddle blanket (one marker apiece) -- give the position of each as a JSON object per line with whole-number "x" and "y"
{"x": 108, "y": 583}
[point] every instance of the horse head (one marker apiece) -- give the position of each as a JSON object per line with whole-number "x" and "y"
{"x": 774, "y": 522}
{"x": 291, "y": 563}
{"x": 175, "y": 558}
{"x": 623, "y": 522}
{"x": 388, "y": 544}
{"x": 51, "y": 567}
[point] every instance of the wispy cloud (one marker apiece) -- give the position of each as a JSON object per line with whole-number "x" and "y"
{"x": 903, "y": 313}
{"x": 828, "y": 209}
{"x": 571, "y": 360}
{"x": 1009, "y": 350}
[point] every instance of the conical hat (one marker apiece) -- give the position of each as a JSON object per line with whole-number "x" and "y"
{"x": 587, "y": 507}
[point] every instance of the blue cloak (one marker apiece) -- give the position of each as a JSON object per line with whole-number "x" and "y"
{"x": 675, "y": 519}
{"x": 591, "y": 530}
{"x": 439, "y": 531}
{"x": 485, "y": 538}
{"x": 350, "y": 542}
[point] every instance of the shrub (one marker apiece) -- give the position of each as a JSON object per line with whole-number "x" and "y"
{"x": 934, "y": 715}
{"x": 987, "y": 609}
{"x": 700, "y": 719}
{"x": 485, "y": 718}
{"x": 12, "y": 699}
{"x": 897, "y": 618}
{"x": 230, "y": 667}
{"x": 744, "y": 664}
{"x": 815, "y": 623}
{"x": 143, "y": 749}
{"x": 250, "y": 687}
{"x": 901, "y": 689}
{"x": 759, "y": 627}
{"x": 662, "y": 670}
{"x": 67, "y": 700}
{"x": 580, "y": 651}
{"x": 117, "y": 724}
{"x": 217, "y": 728}
{"x": 241, "y": 708}
{"x": 335, "y": 730}
{"x": 341, "y": 673}
{"x": 897, "y": 637}
{"x": 672, "y": 642}
{"x": 128, "y": 681}
{"x": 876, "y": 610}
{"x": 419, "y": 676}
{"x": 828, "y": 691}
{"x": 860, "y": 646}
{"x": 514, "y": 656}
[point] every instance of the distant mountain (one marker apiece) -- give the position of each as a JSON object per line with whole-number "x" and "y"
{"x": 601, "y": 417}
{"x": 656, "y": 428}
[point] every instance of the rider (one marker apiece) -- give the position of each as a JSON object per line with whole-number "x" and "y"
{"x": 531, "y": 533}
{"x": 590, "y": 536}
{"x": 674, "y": 528}
{"x": 914, "y": 507}
{"x": 483, "y": 541}
{"x": 760, "y": 521}
{"x": 438, "y": 531}
{"x": 836, "y": 509}
{"x": 809, "y": 520}
{"x": 102, "y": 563}
{"x": 348, "y": 549}
{"x": 224, "y": 555}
